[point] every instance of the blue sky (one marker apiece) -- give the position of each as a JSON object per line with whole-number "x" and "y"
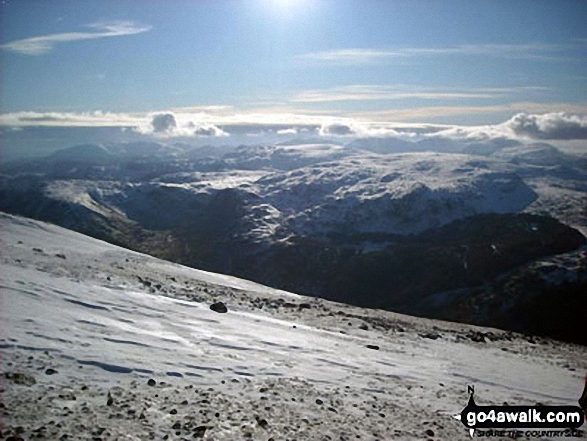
{"x": 452, "y": 62}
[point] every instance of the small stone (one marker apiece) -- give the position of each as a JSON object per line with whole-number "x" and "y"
{"x": 430, "y": 432}
{"x": 151, "y": 382}
{"x": 374, "y": 347}
{"x": 199, "y": 432}
{"x": 50, "y": 371}
{"x": 431, "y": 335}
{"x": 219, "y": 307}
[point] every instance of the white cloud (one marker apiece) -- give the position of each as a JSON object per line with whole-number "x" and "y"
{"x": 552, "y": 126}
{"x": 356, "y": 129}
{"x": 291, "y": 131}
{"x": 210, "y": 130}
{"x": 172, "y": 125}
{"x": 531, "y": 121}
{"x": 547, "y": 126}
{"x": 206, "y": 110}
{"x": 426, "y": 113}
{"x": 349, "y": 56}
{"x": 382, "y": 92}
{"x": 163, "y": 122}
{"x": 352, "y": 56}
{"x": 336, "y": 130}
{"x": 45, "y": 43}
{"x": 71, "y": 119}
{"x": 519, "y": 51}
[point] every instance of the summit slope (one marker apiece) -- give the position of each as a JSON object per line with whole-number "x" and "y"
{"x": 90, "y": 324}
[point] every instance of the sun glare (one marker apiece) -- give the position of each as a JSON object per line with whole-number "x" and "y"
{"x": 284, "y": 8}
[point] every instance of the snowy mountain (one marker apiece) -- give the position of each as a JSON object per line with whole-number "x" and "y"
{"x": 101, "y": 342}
{"x": 388, "y": 230}
{"x": 392, "y": 194}
{"x": 286, "y": 156}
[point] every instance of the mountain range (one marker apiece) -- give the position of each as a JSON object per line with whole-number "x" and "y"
{"x": 489, "y": 233}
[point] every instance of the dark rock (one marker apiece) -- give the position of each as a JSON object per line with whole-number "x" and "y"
{"x": 430, "y": 432}
{"x": 20, "y": 378}
{"x": 219, "y": 307}
{"x": 319, "y": 401}
{"x": 176, "y": 426}
{"x": 200, "y": 431}
{"x": 431, "y": 335}
{"x": 50, "y": 371}
{"x": 151, "y": 382}
{"x": 374, "y": 347}
{"x": 477, "y": 337}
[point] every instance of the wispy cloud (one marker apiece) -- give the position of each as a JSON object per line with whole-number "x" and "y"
{"x": 45, "y": 43}
{"x": 71, "y": 119}
{"x": 383, "y": 92}
{"x": 428, "y": 113}
{"x": 350, "y": 56}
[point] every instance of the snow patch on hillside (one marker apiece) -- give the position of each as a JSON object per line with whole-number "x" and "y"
{"x": 397, "y": 194}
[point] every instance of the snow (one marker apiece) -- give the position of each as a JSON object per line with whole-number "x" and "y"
{"x": 318, "y": 189}
{"x": 87, "y": 310}
{"x": 394, "y": 194}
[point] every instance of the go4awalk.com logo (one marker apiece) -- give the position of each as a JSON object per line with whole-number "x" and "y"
{"x": 524, "y": 421}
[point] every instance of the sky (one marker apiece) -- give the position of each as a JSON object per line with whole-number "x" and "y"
{"x": 210, "y": 63}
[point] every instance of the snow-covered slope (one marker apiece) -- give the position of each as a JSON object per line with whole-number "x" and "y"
{"x": 286, "y": 157}
{"x": 86, "y": 326}
{"x": 397, "y": 194}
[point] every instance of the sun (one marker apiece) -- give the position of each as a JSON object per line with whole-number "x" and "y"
{"x": 285, "y": 3}
{"x": 287, "y": 6}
